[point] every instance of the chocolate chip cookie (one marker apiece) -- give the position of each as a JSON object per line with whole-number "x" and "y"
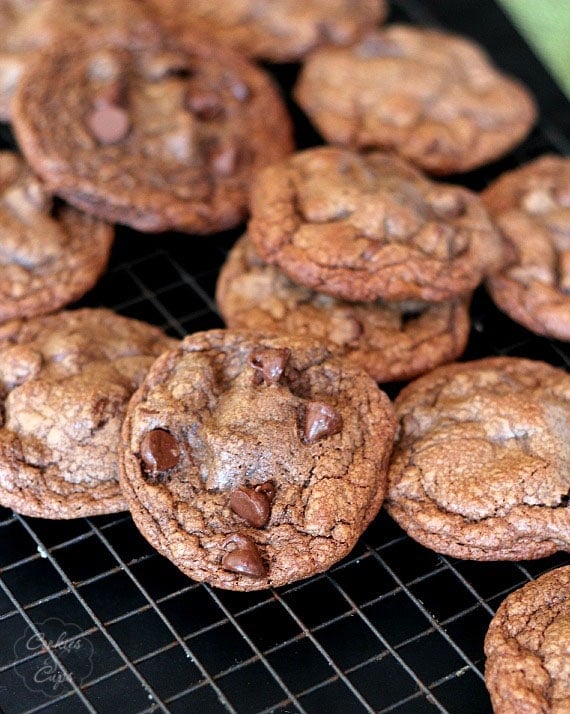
{"x": 280, "y": 30}
{"x": 65, "y": 380}
{"x": 433, "y": 97}
{"x": 28, "y": 25}
{"x": 531, "y": 205}
{"x": 528, "y": 648}
{"x": 50, "y": 254}
{"x": 362, "y": 227}
{"x": 254, "y": 461}
{"x": 481, "y": 466}
{"x": 391, "y": 341}
{"x": 146, "y": 130}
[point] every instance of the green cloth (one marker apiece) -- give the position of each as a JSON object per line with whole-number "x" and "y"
{"x": 545, "y": 24}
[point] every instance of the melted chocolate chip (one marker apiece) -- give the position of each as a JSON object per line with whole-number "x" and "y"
{"x": 244, "y": 558}
{"x": 204, "y": 105}
{"x": 269, "y": 363}
{"x": 159, "y": 450}
{"x": 109, "y": 94}
{"x": 321, "y": 420}
{"x": 253, "y": 504}
{"x": 267, "y": 488}
{"x": 168, "y": 64}
{"x": 109, "y": 124}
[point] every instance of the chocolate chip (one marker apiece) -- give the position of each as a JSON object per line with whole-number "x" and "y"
{"x": 109, "y": 124}
{"x": 159, "y": 450}
{"x": 109, "y": 94}
{"x": 321, "y": 420}
{"x": 244, "y": 558}
{"x": 168, "y": 64}
{"x": 269, "y": 363}
{"x": 204, "y": 105}
{"x": 267, "y": 488}
{"x": 253, "y": 504}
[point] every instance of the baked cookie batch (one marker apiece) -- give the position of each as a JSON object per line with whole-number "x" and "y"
{"x": 257, "y": 455}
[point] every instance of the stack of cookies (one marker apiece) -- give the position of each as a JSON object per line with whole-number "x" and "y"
{"x": 364, "y": 252}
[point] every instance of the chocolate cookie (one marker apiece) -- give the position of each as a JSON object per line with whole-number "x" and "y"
{"x": 531, "y": 205}
{"x": 280, "y": 30}
{"x": 481, "y": 467}
{"x": 433, "y": 97}
{"x": 28, "y": 25}
{"x": 65, "y": 380}
{"x": 254, "y": 461}
{"x": 528, "y": 648}
{"x": 391, "y": 341}
{"x": 363, "y": 227}
{"x": 145, "y": 130}
{"x": 49, "y": 255}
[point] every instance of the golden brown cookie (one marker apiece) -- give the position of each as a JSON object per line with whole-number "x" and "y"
{"x": 146, "y": 130}
{"x": 368, "y": 226}
{"x": 528, "y": 648}
{"x": 279, "y": 30}
{"x": 391, "y": 341}
{"x": 434, "y": 97}
{"x": 531, "y": 206}
{"x": 50, "y": 254}
{"x": 481, "y": 465}
{"x": 28, "y": 25}
{"x": 253, "y": 461}
{"x": 65, "y": 380}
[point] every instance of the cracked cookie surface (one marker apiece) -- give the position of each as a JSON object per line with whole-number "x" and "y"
{"x": 391, "y": 341}
{"x": 150, "y": 131}
{"x": 363, "y": 227}
{"x": 280, "y": 30}
{"x": 531, "y": 206}
{"x": 481, "y": 465}
{"x": 28, "y": 25}
{"x": 49, "y": 255}
{"x": 432, "y": 96}
{"x": 528, "y": 648}
{"x": 254, "y": 461}
{"x": 65, "y": 380}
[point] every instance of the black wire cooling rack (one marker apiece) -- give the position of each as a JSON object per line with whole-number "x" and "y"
{"x": 93, "y": 619}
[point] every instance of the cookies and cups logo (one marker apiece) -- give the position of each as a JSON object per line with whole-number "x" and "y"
{"x": 72, "y": 657}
